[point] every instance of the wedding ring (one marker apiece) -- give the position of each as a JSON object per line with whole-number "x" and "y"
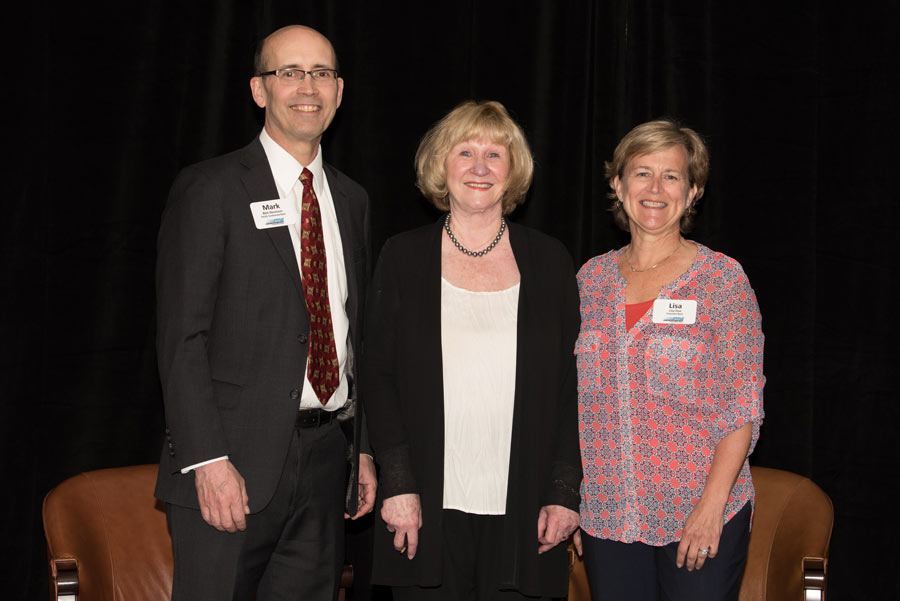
{"x": 704, "y": 551}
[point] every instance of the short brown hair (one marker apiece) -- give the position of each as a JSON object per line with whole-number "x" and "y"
{"x": 654, "y": 136}
{"x": 472, "y": 120}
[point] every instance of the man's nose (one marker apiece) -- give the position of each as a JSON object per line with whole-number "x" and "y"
{"x": 306, "y": 85}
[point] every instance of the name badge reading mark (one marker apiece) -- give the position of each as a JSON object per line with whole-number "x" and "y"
{"x": 273, "y": 213}
{"x": 674, "y": 310}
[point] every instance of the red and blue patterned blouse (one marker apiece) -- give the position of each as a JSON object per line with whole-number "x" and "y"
{"x": 655, "y": 401}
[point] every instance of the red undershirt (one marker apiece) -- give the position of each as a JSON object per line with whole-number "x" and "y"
{"x": 633, "y": 313}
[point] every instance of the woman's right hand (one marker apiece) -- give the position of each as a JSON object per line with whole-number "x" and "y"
{"x": 403, "y": 516}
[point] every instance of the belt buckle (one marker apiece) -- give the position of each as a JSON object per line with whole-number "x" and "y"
{"x": 310, "y": 418}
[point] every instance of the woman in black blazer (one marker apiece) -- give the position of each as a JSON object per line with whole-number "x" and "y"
{"x": 469, "y": 379}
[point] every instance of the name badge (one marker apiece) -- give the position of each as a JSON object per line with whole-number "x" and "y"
{"x": 273, "y": 213}
{"x": 668, "y": 310}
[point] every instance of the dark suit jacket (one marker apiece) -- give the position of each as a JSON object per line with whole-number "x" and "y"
{"x": 233, "y": 332}
{"x": 403, "y": 392}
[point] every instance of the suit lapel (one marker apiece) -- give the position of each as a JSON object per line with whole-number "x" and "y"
{"x": 260, "y": 185}
{"x": 351, "y": 236}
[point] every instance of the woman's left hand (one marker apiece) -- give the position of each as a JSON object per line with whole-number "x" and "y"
{"x": 555, "y": 524}
{"x": 703, "y": 527}
{"x": 702, "y": 530}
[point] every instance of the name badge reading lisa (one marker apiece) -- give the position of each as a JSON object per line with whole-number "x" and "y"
{"x": 273, "y": 213}
{"x": 674, "y": 311}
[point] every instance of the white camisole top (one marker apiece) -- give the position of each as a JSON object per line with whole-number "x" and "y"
{"x": 478, "y": 341}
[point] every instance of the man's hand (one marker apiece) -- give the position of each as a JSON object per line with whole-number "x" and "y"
{"x": 555, "y": 524}
{"x": 403, "y": 516}
{"x": 367, "y": 486}
{"x": 222, "y": 496}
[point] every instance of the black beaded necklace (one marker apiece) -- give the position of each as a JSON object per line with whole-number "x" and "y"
{"x": 472, "y": 253}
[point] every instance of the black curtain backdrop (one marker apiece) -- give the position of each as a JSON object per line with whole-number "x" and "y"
{"x": 796, "y": 100}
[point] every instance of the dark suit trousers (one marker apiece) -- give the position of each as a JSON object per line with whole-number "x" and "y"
{"x": 292, "y": 549}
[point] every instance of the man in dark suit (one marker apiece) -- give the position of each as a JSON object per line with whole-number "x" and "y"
{"x": 262, "y": 267}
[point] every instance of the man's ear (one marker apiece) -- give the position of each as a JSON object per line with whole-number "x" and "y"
{"x": 257, "y": 90}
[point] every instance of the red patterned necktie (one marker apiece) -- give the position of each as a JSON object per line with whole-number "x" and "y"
{"x": 322, "y": 363}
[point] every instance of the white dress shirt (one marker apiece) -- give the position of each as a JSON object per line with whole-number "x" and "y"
{"x": 286, "y": 171}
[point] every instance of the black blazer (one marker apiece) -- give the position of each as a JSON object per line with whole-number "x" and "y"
{"x": 403, "y": 393}
{"x": 233, "y": 331}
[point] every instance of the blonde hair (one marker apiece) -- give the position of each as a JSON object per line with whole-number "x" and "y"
{"x": 469, "y": 121}
{"x": 654, "y": 136}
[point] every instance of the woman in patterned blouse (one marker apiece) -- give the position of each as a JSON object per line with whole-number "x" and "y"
{"x": 670, "y": 378}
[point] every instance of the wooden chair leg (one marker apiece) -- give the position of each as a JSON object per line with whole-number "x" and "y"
{"x": 346, "y": 581}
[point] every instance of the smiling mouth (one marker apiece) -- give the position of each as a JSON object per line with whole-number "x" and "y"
{"x": 305, "y": 108}
{"x": 479, "y": 185}
{"x": 650, "y": 204}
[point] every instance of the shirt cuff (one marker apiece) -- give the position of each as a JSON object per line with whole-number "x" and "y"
{"x": 191, "y": 468}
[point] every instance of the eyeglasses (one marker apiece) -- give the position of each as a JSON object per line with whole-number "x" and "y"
{"x": 291, "y": 76}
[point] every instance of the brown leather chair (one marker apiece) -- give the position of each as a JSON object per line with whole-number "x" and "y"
{"x": 788, "y": 555}
{"x": 578, "y": 583}
{"x": 107, "y": 538}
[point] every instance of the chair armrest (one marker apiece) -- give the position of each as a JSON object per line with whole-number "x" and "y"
{"x": 814, "y": 578}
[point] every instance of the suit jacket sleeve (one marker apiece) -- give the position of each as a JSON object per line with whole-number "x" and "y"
{"x": 190, "y": 256}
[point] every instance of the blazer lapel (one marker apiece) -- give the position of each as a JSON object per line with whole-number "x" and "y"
{"x": 260, "y": 185}
{"x": 351, "y": 237}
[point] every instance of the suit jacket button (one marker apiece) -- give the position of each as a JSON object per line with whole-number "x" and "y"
{"x": 172, "y": 453}
{"x": 295, "y": 394}
{"x": 171, "y": 446}
{"x": 302, "y": 338}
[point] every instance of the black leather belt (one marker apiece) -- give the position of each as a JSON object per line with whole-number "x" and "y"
{"x": 313, "y": 418}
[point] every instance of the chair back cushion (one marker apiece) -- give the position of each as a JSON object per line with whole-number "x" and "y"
{"x": 110, "y": 523}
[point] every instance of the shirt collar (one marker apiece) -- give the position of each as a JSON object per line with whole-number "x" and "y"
{"x": 286, "y": 169}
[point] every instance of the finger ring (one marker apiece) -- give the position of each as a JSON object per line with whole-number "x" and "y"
{"x": 403, "y": 550}
{"x": 704, "y": 551}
